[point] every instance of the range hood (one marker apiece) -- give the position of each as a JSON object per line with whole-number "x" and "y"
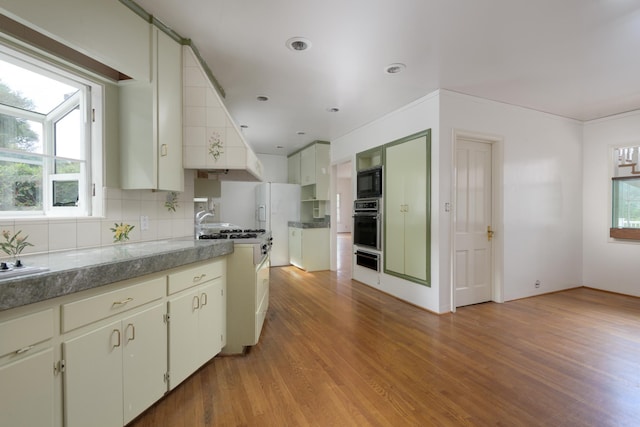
{"x": 212, "y": 141}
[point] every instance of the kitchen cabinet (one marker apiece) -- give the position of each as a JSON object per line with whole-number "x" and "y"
{"x": 247, "y": 299}
{"x": 293, "y": 169}
{"x": 115, "y": 365}
{"x": 89, "y": 27}
{"x": 197, "y": 318}
{"x": 151, "y": 122}
{"x": 309, "y": 248}
{"x": 369, "y": 159}
{"x": 26, "y": 370}
{"x": 314, "y": 169}
{"x": 407, "y": 208}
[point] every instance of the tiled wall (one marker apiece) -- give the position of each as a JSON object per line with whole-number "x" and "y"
{"x": 121, "y": 206}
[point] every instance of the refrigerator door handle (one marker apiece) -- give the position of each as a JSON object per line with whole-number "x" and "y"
{"x": 262, "y": 213}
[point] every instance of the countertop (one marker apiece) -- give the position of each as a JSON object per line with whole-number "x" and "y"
{"x": 310, "y": 224}
{"x": 78, "y": 270}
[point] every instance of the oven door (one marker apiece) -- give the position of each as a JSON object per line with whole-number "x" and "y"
{"x": 366, "y": 229}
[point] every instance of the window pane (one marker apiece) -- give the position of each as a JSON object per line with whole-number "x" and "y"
{"x": 25, "y": 89}
{"x": 20, "y": 134}
{"x": 20, "y": 184}
{"x": 65, "y": 193}
{"x": 67, "y": 135}
{"x": 626, "y": 203}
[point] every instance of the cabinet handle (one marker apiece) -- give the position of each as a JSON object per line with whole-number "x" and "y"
{"x": 204, "y": 299}
{"x": 195, "y": 303}
{"x": 133, "y": 332}
{"x": 198, "y": 278}
{"x": 119, "y": 342}
{"x": 123, "y": 302}
{"x": 24, "y": 349}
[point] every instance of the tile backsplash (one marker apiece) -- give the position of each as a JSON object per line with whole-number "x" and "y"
{"x": 126, "y": 206}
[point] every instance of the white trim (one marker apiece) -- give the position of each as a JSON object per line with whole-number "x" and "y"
{"x": 497, "y": 206}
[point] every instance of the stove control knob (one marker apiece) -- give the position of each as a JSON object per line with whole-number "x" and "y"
{"x": 4, "y": 266}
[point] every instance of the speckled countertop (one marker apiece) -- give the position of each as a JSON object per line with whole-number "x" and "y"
{"x": 77, "y": 270}
{"x": 311, "y": 224}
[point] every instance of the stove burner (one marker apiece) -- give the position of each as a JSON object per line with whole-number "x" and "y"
{"x": 243, "y": 236}
{"x": 230, "y": 231}
{"x": 255, "y": 230}
{"x": 213, "y": 236}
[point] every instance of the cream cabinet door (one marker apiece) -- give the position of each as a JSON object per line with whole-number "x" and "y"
{"x": 26, "y": 391}
{"x": 209, "y": 328}
{"x": 295, "y": 246}
{"x": 93, "y": 378}
{"x": 144, "y": 353}
{"x": 308, "y": 166}
{"x": 293, "y": 169}
{"x": 183, "y": 336}
{"x": 406, "y": 213}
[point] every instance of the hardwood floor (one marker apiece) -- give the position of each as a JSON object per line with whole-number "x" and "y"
{"x": 337, "y": 353}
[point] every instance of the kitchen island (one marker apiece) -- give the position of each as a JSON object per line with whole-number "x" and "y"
{"x": 105, "y": 332}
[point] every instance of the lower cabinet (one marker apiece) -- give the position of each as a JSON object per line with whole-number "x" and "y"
{"x": 26, "y": 392}
{"x": 196, "y": 328}
{"x": 309, "y": 248}
{"x": 115, "y": 372}
{"x": 26, "y": 370}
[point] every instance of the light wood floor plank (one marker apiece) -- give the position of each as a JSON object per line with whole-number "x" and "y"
{"x": 337, "y": 353}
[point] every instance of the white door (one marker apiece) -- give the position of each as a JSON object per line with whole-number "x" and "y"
{"x": 472, "y": 263}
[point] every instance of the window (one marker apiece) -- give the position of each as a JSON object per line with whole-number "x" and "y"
{"x": 625, "y": 209}
{"x": 45, "y": 137}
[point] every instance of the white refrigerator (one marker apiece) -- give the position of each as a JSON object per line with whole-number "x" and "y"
{"x": 276, "y": 205}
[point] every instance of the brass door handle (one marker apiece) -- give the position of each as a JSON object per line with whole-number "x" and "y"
{"x": 489, "y": 233}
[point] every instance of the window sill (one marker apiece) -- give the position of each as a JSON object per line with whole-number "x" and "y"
{"x": 625, "y": 233}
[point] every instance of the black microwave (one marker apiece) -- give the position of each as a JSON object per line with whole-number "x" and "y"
{"x": 369, "y": 183}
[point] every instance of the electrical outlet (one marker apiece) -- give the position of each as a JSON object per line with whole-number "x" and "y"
{"x": 537, "y": 284}
{"x": 144, "y": 222}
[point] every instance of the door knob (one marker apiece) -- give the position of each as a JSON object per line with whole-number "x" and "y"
{"x": 489, "y": 233}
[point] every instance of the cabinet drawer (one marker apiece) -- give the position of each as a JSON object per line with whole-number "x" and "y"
{"x": 192, "y": 276}
{"x": 88, "y": 310}
{"x": 18, "y": 334}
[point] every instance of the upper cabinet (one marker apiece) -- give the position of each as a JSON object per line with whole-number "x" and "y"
{"x": 212, "y": 141}
{"x": 106, "y": 31}
{"x": 293, "y": 168}
{"x": 151, "y": 122}
{"x": 311, "y": 167}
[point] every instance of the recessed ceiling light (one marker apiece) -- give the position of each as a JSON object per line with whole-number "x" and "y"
{"x": 394, "y": 68}
{"x": 300, "y": 132}
{"x": 279, "y": 146}
{"x": 333, "y": 110}
{"x": 298, "y": 44}
{"x": 262, "y": 98}
{"x": 244, "y": 126}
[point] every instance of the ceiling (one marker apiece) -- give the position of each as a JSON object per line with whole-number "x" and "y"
{"x": 573, "y": 58}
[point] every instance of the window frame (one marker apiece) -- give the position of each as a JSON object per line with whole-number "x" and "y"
{"x": 90, "y": 99}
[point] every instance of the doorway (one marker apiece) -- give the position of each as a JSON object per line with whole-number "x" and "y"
{"x": 475, "y": 225}
{"x": 341, "y": 220}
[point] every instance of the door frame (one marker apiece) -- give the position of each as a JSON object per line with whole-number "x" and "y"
{"x": 497, "y": 248}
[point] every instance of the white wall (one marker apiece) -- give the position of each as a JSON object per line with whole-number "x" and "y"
{"x": 415, "y": 117}
{"x": 346, "y": 198}
{"x": 608, "y": 265}
{"x": 541, "y": 191}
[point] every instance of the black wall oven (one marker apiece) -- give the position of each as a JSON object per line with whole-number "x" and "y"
{"x": 369, "y": 183}
{"x": 367, "y": 222}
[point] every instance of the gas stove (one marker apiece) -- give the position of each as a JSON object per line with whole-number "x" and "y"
{"x": 259, "y": 238}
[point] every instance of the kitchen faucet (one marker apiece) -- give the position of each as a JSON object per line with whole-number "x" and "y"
{"x": 200, "y": 217}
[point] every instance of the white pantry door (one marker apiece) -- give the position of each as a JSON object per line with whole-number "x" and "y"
{"x": 473, "y": 216}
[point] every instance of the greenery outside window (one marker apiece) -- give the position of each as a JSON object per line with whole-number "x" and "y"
{"x": 625, "y": 207}
{"x": 45, "y": 138}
